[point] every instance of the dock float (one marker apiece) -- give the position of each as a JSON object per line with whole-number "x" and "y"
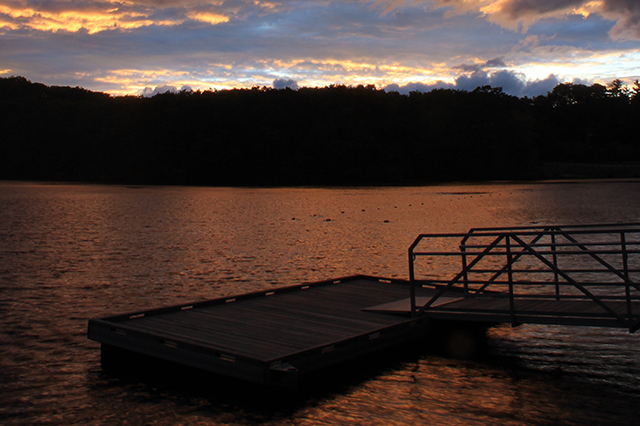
{"x": 271, "y": 337}
{"x": 574, "y": 275}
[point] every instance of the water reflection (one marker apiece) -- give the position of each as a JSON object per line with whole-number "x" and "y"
{"x": 404, "y": 387}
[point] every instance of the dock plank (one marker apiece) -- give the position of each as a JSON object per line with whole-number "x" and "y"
{"x": 257, "y": 346}
{"x": 307, "y": 324}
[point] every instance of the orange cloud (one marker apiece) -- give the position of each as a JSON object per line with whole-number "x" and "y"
{"x": 208, "y": 17}
{"x": 92, "y": 21}
{"x": 92, "y": 18}
{"x": 519, "y": 14}
{"x": 305, "y": 72}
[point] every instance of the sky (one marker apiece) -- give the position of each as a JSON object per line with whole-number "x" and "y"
{"x": 142, "y": 47}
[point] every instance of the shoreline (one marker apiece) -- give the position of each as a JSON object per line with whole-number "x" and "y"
{"x": 554, "y": 181}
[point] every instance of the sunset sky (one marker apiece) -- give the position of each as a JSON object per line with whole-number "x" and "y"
{"x": 142, "y": 46}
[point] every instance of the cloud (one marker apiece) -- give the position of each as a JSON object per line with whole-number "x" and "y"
{"x": 123, "y": 47}
{"x": 511, "y": 82}
{"x": 95, "y": 16}
{"x": 540, "y": 87}
{"x": 208, "y": 17}
{"x": 491, "y": 63}
{"x": 495, "y": 63}
{"x": 92, "y": 17}
{"x": 418, "y": 87}
{"x": 520, "y": 8}
{"x": 628, "y": 25}
{"x": 283, "y": 84}
{"x": 520, "y": 15}
{"x": 148, "y": 92}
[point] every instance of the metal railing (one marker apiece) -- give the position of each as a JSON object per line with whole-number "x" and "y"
{"x": 598, "y": 263}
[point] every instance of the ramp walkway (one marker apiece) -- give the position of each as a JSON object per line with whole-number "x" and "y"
{"x": 585, "y": 275}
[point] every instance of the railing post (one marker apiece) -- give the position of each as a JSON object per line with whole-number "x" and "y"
{"x": 555, "y": 264}
{"x": 627, "y": 289}
{"x": 465, "y": 277}
{"x": 512, "y": 307}
{"x": 412, "y": 282}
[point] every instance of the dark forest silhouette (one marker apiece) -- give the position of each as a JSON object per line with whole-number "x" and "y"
{"x": 335, "y": 135}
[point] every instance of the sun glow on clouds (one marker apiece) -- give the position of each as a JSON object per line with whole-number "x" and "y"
{"x": 92, "y": 21}
{"x": 330, "y": 71}
{"x": 588, "y": 8}
{"x": 266, "y": 4}
{"x": 520, "y": 15}
{"x": 137, "y": 81}
{"x": 536, "y": 64}
{"x": 210, "y": 18}
{"x": 581, "y": 65}
{"x": 95, "y": 17}
{"x": 306, "y": 73}
{"x": 139, "y": 45}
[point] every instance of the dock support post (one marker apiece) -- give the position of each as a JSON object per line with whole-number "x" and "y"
{"x": 555, "y": 264}
{"x": 625, "y": 271}
{"x": 412, "y": 283}
{"x": 512, "y": 307}
{"x": 465, "y": 277}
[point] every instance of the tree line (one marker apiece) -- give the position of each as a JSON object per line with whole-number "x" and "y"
{"x": 335, "y": 135}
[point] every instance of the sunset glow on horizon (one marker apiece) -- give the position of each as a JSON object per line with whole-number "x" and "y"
{"x": 149, "y": 46}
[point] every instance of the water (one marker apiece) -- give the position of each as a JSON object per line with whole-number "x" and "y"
{"x": 73, "y": 252}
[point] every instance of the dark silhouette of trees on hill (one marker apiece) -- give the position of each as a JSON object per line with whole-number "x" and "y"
{"x": 588, "y": 123}
{"x": 335, "y": 135}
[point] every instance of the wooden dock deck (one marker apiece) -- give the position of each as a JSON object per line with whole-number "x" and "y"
{"x": 270, "y": 337}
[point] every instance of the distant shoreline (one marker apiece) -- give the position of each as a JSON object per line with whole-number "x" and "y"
{"x": 336, "y": 136}
{"x": 559, "y": 181}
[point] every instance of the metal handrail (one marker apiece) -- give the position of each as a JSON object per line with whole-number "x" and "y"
{"x": 563, "y": 254}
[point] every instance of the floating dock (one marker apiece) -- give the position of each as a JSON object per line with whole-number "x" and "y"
{"x": 274, "y": 336}
{"x": 582, "y": 275}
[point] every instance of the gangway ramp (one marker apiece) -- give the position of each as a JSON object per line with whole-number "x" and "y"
{"x": 585, "y": 275}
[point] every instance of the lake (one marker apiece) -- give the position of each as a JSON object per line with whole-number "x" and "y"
{"x": 74, "y": 252}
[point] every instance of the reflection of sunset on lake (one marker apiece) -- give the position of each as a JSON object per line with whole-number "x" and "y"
{"x": 433, "y": 390}
{"x": 74, "y": 252}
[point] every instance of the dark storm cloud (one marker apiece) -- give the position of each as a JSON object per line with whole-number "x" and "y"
{"x": 419, "y": 87}
{"x": 518, "y": 8}
{"x": 283, "y": 84}
{"x": 491, "y": 63}
{"x": 507, "y": 80}
{"x": 511, "y": 83}
{"x": 628, "y": 26}
{"x": 495, "y": 63}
